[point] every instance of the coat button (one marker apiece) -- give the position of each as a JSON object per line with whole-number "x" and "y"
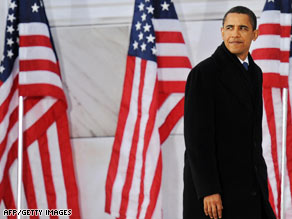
{"x": 255, "y": 168}
{"x": 253, "y": 193}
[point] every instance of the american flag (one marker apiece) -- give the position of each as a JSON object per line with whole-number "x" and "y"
{"x": 29, "y": 68}
{"x": 272, "y": 52}
{"x": 152, "y": 104}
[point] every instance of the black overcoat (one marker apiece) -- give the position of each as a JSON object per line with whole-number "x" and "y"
{"x": 223, "y": 135}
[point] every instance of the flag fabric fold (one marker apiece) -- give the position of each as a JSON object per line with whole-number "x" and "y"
{"x": 30, "y": 68}
{"x": 151, "y": 106}
{"x": 272, "y": 52}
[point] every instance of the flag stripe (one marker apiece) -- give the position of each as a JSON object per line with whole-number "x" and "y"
{"x": 173, "y": 74}
{"x": 275, "y": 17}
{"x": 35, "y": 163}
{"x": 148, "y": 134}
{"x": 124, "y": 111}
{"x": 171, "y": 120}
{"x": 171, "y": 49}
{"x": 40, "y": 77}
{"x": 47, "y": 170}
{"x": 274, "y": 29}
{"x": 38, "y": 64}
{"x": 35, "y": 40}
{"x": 173, "y": 62}
{"x": 132, "y": 160}
{"x": 155, "y": 188}
{"x": 34, "y": 28}
{"x": 28, "y": 182}
{"x": 271, "y": 54}
{"x": 169, "y": 37}
{"x": 37, "y": 52}
{"x": 67, "y": 162}
{"x": 267, "y": 94}
{"x": 273, "y": 79}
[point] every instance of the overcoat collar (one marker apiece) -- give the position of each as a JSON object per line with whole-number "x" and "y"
{"x": 234, "y": 77}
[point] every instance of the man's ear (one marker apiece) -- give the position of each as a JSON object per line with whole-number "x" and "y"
{"x": 222, "y": 31}
{"x": 256, "y": 34}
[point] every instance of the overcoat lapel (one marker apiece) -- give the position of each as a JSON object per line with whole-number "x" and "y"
{"x": 233, "y": 76}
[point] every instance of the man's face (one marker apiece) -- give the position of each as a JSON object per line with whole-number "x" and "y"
{"x": 237, "y": 34}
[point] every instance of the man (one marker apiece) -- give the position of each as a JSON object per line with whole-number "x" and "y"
{"x": 225, "y": 175}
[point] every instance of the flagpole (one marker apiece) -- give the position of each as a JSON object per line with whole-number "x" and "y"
{"x": 284, "y": 131}
{"x": 20, "y": 155}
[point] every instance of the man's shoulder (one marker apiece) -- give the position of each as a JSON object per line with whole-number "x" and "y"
{"x": 207, "y": 64}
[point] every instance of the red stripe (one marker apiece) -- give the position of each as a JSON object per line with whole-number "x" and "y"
{"x": 169, "y": 37}
{"x": 155, "y": 188}
{"x": 161, "y": 98}
{"x": 271, "y": 79}
{"x": 123, "y": 115}
{"x": 68, "y": 166}
{"x": 39, "y": 65}
{"x": 271, "y": 197}
{"x": 42, "y": 90}
{"x": 269, "y": 107}
{"x": 148, "y": 134}
{"x": 173, "y": 62}
{"x": 35, "y": 40}
{"x": 289, "y": 144}
{"x": 135, "y": 140}
{"x": 8, "y": 198}
{"x": 28, "y": 183}
{"x": 171, "y": 120}
{"x": 5, "y": 105}
{"x": 271, "y": 54}
{"x": 274, "y": 29}
{"x": 172, "y": 86}
{"x": 47, "y": 172}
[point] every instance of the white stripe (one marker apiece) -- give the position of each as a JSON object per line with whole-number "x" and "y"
{"x": 171, "y": 49}
{"x": 13, "y": 180}
{"x": 147, "y": 97}
{"x": 31, "y": 28}
{"x": 287, "y": 194}
{"x": 152, "y": 157}
{"x": 273, "y": 66}
{"x": 126, "y": 143}
{"x": 277, "y": 104}
{"x": 267, "y": 153}
{"x": 166, "y": 25}
{"x": 167, "y": 106}
{"x": 56, "y": 165}
{"x": 5, "y": 122}
{"x": 29, "y": 119}
{"x": 275, "y": 17}
{"x": 173, "y": 74}
{"x": 34, "y": 158}
{"x": 40, "y": 77}
{"x": 37, "y": 52}
{"x": 272, "y": 41}
{"x": 6, "y": 87}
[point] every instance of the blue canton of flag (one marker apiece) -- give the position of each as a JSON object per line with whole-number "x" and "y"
{"x": 142, "y": 39}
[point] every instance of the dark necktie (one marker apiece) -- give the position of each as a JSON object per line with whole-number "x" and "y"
{"x": 245, "y": 65}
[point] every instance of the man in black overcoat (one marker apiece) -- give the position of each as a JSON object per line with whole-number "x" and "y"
{"x": 225, "y": 174}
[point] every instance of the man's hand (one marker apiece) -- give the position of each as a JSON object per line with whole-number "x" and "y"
{"x": 213, "y": 206}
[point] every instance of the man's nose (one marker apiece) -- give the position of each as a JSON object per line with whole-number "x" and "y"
{"x": 235, "y": 32}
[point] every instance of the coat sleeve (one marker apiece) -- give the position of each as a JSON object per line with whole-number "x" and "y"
{"x": 199, "y": 130}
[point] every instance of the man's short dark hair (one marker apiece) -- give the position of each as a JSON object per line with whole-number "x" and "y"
{"x": 243, "y": 10}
